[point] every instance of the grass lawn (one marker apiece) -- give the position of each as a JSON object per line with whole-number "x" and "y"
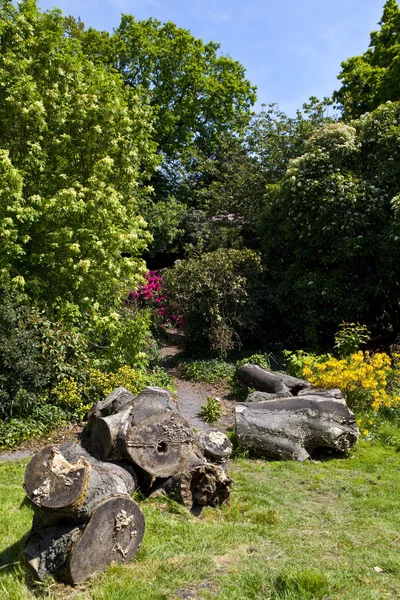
{"x": 324, "y": 530}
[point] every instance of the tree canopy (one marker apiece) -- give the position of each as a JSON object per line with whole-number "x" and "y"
{"x": 374, "y": 77}
{"x": 76, "y": 149}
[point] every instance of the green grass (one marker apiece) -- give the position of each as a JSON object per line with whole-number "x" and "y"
{"x": 309, "y": 531}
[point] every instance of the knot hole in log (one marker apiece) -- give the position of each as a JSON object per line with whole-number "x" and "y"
{"x": 162, "y": 447}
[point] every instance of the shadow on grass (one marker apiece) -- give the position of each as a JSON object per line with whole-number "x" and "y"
{"x": 11, "y": 558}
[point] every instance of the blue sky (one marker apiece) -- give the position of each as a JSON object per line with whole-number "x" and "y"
{"x": 291, "y": 50}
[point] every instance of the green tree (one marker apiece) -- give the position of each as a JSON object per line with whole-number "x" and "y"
{"x": 198, "y": 95}
{"x": 76, "y": 152}
{"x": 330, "y": 235}
{"x": 374, "y": 77}
{"x": 230, "y": 185}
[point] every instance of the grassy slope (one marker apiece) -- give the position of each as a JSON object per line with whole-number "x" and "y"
{"x": 292, "y": 532}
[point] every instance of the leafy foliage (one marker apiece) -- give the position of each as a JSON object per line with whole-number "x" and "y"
{"x": 75, "y": 148}
{"x": 330, "y": 230}
{"x": 219, "y": 295}
{"x": 208, "y": 371}
{"x": 36, "y": 353}
{"x": 211, "y": 410}
{"x": 350, "y": 337}
{"x": 373, "y": 78}
{"x": 100, "y": 384}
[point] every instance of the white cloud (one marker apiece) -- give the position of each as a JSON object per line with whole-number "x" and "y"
{"x": 219, "y": 16}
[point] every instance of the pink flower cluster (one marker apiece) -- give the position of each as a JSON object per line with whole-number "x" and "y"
{"x": 152, "y": 292}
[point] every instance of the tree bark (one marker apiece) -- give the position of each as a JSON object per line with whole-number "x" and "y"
{"x": 292, "y": 428}
{"x": 84, "y": 516}
{"x": 72, "y": 552}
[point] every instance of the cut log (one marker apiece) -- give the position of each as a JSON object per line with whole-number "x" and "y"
{"x": 73, "y": 489}
{"x": 73, "y": 553}
{"x": 260, "y": 379}
{"x": 151, "y": 400}
{"x": 104, "y": 435}
{"x": 52, "y": 482}
{"x": 107, "y": 431}
{"x": 160, "y": 444}
{"x": 215, "y": 445}
{"x": 292, "y": 428}
{"x": 119, "y": 399}
{"x": 200, "y": 485}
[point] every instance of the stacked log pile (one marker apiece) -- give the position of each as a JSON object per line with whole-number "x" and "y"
{"x": 84, "y": 515}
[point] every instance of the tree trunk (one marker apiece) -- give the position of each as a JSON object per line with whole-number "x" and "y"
{"x": 160, "y": 444}
{"x": 292, "y": 428}
{"x": 84, "y": 516}
{"x": 72, "y": 552}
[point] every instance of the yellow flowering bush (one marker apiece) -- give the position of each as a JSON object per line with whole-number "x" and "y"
{"x": 364, "y": 378}
{"x": 68, "y": 394}
{"x": 100, "y": 384}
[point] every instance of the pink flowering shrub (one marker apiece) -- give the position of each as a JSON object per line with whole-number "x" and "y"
{"x": 150, "y": 294}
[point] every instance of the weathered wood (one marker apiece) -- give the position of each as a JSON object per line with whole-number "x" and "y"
{"x": 53, "y": 483}
{"x": 151, "y": 400}
{"x": 73, "y": 553}
{"x": 200, "y": 485}
{"x": 120, "y": 399}
{"x": 160, "y": 444}
{"x": 104, "y": 435}
{"x": 215, "y": 445}
{"x": 108, "y": 431}
{"x": 260, "y": 379}
{"x": 270, "y": 382}
{"x": 292, "y": 428}
{"x": 113, "y": 535}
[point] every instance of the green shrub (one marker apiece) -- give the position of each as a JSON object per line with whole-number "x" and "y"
{"x": 211, "y": 410}
{"x": 219, "y": 294}
{"x": 121, "y": 338}
{"x": 100, "y": 384}
{"x": 206, "y": 370}
{"x": 42, "y": 419}
{"x": 36, "y": 353}
{"x": 350, "y": 337}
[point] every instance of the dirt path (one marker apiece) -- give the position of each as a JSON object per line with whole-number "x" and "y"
{"x": 191, "y": 395}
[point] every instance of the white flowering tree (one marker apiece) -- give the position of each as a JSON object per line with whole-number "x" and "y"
{"x": 75, "y": 154}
